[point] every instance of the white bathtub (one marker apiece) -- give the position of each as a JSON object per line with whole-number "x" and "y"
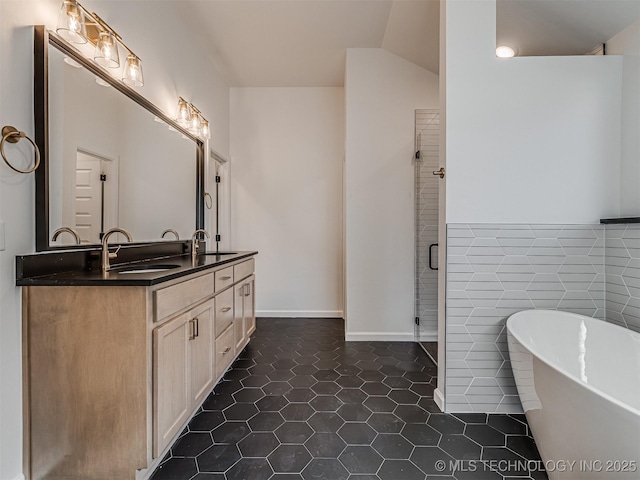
{"x": 579, "y": 382}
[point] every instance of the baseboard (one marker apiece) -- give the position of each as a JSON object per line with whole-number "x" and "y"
{"x": 439, "y": 399}
{"x": 379, "y": 337}
{"x": 429, "y": 337}
{"x": 300, "y": 313}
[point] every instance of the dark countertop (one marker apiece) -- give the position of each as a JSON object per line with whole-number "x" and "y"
{"x": 185, "y": 267}
{"x": 615, "y": 221}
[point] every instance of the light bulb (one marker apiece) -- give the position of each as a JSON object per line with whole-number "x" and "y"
{"x": 107, "y": 51}
{"x": 195, "y": 124}
{"x": 503, "y": 51}
{"x": 71, "y": 25}
{"x": 206, "y": 133}
{"x": 132, "y": 74}
{"x": 183, "y": 112}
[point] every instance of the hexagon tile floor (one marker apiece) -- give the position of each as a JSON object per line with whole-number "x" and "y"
{"x": 301, "y": 403}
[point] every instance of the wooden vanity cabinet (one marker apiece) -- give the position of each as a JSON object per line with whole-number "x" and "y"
{"x": 183, "y": 371}
{"x": 112, "y": 374}
{"x": 245, "y": 319}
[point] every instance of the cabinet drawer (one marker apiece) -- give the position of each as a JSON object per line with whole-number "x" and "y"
{"x": 243, "y": 270}
{"x": 224, "y": 278}
{"x": 224, "y": 351}
{"x": 224, "y": 311}
{"x": 177, "y": 297}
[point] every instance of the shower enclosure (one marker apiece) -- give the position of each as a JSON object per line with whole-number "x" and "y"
{"x": 427, "y": 131}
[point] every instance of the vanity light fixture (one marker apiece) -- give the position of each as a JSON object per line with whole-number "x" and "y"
{"x": 183, "y": 112}
{"x": 107, "y": 51}
{"x": 206, "y": 133}
{"x": 190, "y": 117}
{"x": 132, "y": 74}
{"x": 195, "y": 123}
{"x": 77, "y": 25}
{"x": 71, "y": 23}
{"x": 504, "y": 51}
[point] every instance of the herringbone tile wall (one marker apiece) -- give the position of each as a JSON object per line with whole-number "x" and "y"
{"x": 494, "y": 271}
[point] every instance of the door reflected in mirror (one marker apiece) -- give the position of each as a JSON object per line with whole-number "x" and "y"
{"x": 96, "y": 197}
{"x": 111, "y": 164}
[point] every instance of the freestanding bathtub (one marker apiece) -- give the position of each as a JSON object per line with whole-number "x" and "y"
{"x": 579, "y": 382}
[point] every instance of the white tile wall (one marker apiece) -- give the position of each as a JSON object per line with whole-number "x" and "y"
{"x": 622, "y": 268}
{"x": 494, "y": 271}
{"x": 427, "y": 184}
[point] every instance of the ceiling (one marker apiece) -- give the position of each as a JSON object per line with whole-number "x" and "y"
{"x": 302, "y": 43}
{"x": 561, "y": 27}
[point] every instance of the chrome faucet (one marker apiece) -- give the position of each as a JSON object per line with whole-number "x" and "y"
{"x": 70, "y": 230}
{"x": 171, "y": 230}
{"x": 194, "y": 243}
{"x": 106, "y": 255}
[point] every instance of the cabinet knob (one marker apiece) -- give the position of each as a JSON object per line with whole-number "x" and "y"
{"x": 226, "y": 350}
{"x": 225, "y": 309}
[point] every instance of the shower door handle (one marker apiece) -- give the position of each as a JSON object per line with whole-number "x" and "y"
{"x": 431, "y": 256}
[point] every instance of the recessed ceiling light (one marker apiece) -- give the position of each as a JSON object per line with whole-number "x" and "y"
{"x": 504, "y": 51}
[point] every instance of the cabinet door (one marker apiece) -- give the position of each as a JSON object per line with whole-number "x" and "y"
{"x": 201, "y": 351}
{"x": 249, "y": 306}
{"x": 171, "y": 389}
{"x": 238, "y": 317}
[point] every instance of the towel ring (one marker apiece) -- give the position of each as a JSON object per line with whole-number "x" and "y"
{"x": 209, "y": 203}
{"x": 13, "y": 135}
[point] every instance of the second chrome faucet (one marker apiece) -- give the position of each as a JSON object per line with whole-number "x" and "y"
{"x": 194, "y": 243}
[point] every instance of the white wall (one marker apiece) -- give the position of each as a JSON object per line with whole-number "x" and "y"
{"x": 531, "y": 139}
{"x": 287, "y": 151}
{"x": 382, "y": 93}
{"x": 170, "y": 54}
{"x": 627, "y": 44}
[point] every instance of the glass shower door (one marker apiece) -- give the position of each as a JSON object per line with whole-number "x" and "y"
{"x": 426, "y": 229}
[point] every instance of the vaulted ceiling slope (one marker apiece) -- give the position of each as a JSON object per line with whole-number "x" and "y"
{"x": 302, "y": 43}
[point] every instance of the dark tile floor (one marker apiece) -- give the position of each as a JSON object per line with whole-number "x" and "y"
{"x": 301, "y": 403}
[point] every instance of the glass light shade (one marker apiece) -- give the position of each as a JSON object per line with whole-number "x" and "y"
{"x": 183, "y": 113}
{"x": 107, "y": 51}
{"x": 71, "y": 25}
{"x": 195, "y": 124}
{"x": 132, "y": 74}
{"x": 206, "y": 133}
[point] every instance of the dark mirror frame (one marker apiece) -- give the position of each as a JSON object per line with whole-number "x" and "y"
{"x": 41, "y": 41}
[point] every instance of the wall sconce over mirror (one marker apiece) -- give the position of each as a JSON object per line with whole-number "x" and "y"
{"x": 190, "y": 117}
{"x": 77, "y": 25}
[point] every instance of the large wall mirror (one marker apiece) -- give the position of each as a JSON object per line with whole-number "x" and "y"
{"x": 110, "y": 158}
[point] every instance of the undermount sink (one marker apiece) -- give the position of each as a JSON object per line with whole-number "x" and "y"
{"x": 220, "y": 253}
{"x": 145, "y": 269}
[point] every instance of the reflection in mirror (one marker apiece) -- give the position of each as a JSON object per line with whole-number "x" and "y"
{"x": 112, "y": 165}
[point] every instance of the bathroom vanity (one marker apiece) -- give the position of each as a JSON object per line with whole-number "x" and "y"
{"x": 120, "y": 347}
{"x": 116, "y": 363}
